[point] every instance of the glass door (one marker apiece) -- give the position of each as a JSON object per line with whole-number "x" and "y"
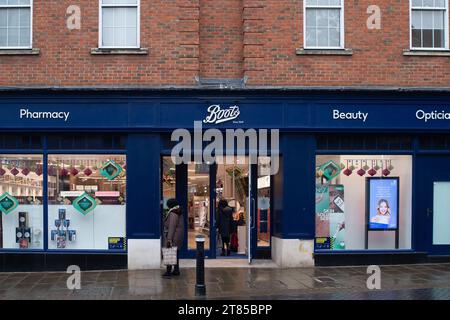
{"x": 251, "y": 226}
{"x": 433, "y": 185}
{"x": 199, "y": 187}
{"x": 232, "y": 186}
{"x": 264, "y": 194}
{"x": 199, "y": 204}
{"x": 441, "y": 213}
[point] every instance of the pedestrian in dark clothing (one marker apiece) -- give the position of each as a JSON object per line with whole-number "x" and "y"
{"x": 224, "y": 225}
{"x": 173, "y": 233}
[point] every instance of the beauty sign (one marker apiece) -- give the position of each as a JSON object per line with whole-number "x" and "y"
{"x": 383, "y": 203}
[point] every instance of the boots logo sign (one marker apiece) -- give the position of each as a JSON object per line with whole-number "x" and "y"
{"x": 218, "y": 115}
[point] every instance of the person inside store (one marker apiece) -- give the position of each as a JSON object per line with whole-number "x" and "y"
{"x": 224, "y": 225}
{"x": 173, "y": 233}
{"x": 238, "y": 220}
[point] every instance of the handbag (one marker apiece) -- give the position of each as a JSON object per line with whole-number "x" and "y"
{"x": 169, "y": 256}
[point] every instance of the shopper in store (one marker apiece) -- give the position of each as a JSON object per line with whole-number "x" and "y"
{"x": 173, "y": 233}
{"x": 224, "y": 221}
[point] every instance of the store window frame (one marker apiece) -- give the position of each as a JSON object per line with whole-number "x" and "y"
{"x": 44, "y": 198}
{"x": 411, "y": 153}
{"x": 79, "y": 152}
{"x": 432, "y": 9}
{"x": 18, "y": 6}
{"x": 45, "y": 153}
{"x": 341, "y": 8}
{"x": 138, "y": 23}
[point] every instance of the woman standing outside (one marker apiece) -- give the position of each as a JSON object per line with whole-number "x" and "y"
{"x": 173, "y": 233}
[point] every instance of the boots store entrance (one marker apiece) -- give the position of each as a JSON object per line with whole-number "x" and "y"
{"x": 227, "y": 203}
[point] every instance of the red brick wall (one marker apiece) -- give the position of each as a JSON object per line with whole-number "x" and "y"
{"x": 65, "y": 58}
{"x": 223, "y": 39}
{"x": 378, "y": 54}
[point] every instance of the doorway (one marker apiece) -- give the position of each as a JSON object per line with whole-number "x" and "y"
{"x": 233, "y": 185}
{"x": 200, "y": 186}
{"x": 207, "y": 185}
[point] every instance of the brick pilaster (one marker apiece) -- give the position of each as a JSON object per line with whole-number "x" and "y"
{"x": 188, "y": 38}
{"x": 254, "y": 38}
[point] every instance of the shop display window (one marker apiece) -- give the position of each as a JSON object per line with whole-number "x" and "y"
{"x": 21, "y": 194}
{"x": 87, "y": 202}
{"x": 363, "y": 202}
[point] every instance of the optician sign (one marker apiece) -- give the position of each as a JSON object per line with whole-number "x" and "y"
{"x": 218, "y": 115}
{"x": 433, "y": 115}
{"x": 27, "y": 114}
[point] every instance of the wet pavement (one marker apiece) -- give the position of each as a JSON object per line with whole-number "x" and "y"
{"x": 428, "y": 281}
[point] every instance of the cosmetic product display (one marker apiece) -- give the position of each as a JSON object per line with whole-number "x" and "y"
{"x": 23, "y": 232}
{"x": 62, "y": 234}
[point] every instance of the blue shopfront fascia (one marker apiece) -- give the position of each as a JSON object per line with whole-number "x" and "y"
{"x": 144, "y": 116}
{"x": 106, "y": 111}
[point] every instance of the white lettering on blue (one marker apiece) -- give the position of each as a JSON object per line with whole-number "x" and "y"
{"x": 27, "y": 114}
{"x": 360, "y": 116}
{"x": 433, "y": 115}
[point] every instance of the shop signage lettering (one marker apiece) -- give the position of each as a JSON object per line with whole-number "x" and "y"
{"x": 338, "y": 115}
{"x": 27, "y": 114}
{"x": 218, "y": 115}
{"x": 434, "y": 115}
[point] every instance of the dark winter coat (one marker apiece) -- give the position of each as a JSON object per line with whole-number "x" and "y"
{"x": 174, "y": 228}
{"x": 224, "y": 221}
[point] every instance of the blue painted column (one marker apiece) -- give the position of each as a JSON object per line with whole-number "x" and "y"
{"x": 143, "y": 201}
{"x": 294, "y": 202}
{"x": 299, "y": 186}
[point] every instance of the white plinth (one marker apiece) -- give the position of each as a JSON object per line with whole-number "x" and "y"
{"x": 293, "y": 253}
{"x": 144, "y": 254}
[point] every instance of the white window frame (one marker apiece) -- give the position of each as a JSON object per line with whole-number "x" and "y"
{"x": 31, "y": 24}
{"x": 342, "y": 25}
{"x": 100, "y": 28}
{"x": 446, "y": 33}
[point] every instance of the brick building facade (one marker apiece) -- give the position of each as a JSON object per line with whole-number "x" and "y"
{"x": 357, "y": 93}
{"x": 256, "y": 40}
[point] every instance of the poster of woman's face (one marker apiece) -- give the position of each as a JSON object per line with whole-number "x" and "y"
{"x": 383, "y": 204}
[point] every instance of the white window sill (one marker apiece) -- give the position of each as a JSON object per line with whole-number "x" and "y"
{"x": 426, "y": 53}
{"x": 111, "y": 51}
{"x": 18, "y": 52}
{"x": 331, "y": 52}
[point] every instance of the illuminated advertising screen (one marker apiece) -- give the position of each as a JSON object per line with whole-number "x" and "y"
{"x": 383, "y": 196}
